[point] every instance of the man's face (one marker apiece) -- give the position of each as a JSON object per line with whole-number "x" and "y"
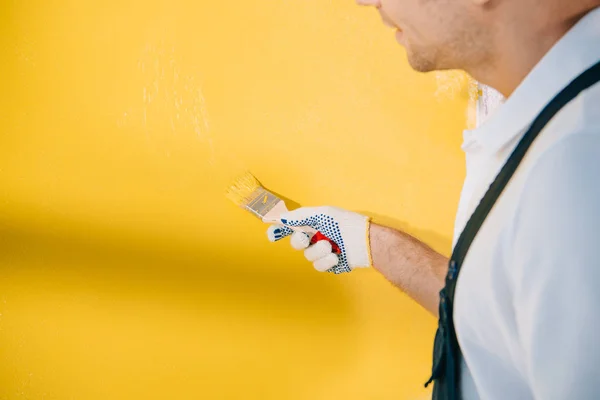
{"x": 437, "y": 34}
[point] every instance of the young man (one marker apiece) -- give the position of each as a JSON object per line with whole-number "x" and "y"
{"x": 525, "y": 305}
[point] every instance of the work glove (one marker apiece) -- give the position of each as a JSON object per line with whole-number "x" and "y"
{"x": 349, "y": 230}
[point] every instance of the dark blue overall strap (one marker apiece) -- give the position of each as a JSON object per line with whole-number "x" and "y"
{"x": 446, "y": 353}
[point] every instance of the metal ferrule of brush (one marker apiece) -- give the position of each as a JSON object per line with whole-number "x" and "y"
{"x": 262, "y": 202}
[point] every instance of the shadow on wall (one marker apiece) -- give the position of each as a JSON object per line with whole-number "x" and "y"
{"x": 143, "y": 266}
{"x": 439, "y": 243}
{"x": 149, "y": 270}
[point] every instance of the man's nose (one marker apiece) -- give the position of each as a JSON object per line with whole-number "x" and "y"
{"x": 372, "y": 3}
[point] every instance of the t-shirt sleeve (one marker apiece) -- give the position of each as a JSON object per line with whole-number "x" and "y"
{"x": 556, "y": 260}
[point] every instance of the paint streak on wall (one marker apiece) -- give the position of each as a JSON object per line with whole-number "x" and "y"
{"x": 125, "y": 273}
{"x": 452, "y": 85}
{"x": 171, "y": 98}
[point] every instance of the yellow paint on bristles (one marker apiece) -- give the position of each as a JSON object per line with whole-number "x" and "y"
{"x": 242, "y": 188}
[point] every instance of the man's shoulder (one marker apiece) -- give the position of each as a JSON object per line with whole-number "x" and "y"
{"x": 562, "y": 185}
{"x": 573, "y": 154}
{"x": 587, "y": 110}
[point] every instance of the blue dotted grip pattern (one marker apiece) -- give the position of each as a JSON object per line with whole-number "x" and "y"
{"x": 330, "y": 228}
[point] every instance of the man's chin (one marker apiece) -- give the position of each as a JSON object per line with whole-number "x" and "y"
{"x": 420, "y": 63}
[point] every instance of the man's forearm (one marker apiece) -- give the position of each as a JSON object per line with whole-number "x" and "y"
{"x": 409, "y": 264}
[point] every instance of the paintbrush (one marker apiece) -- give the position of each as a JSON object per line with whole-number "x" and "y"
{"x": 248, "y": 193}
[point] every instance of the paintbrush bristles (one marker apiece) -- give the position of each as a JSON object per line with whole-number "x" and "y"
{"x": 240, "y": 192}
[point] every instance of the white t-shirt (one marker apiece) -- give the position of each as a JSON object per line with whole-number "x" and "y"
{"x": 527, "y": 305}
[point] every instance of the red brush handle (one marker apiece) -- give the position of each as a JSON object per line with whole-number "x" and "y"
{"x": 319, "y": 236}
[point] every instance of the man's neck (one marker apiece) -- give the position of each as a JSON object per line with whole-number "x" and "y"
{"x": 520, "y": 50}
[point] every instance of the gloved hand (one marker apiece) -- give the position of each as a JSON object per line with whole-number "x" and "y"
{"x": 350, "y": 231}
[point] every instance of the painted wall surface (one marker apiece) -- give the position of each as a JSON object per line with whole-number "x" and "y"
{"x": 124, "y": 271}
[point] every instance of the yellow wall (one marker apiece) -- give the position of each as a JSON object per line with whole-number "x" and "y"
{"x": 124, "y": 271}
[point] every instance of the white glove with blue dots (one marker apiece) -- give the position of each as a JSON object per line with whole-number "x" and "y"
{"x": 349, "y": 230}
